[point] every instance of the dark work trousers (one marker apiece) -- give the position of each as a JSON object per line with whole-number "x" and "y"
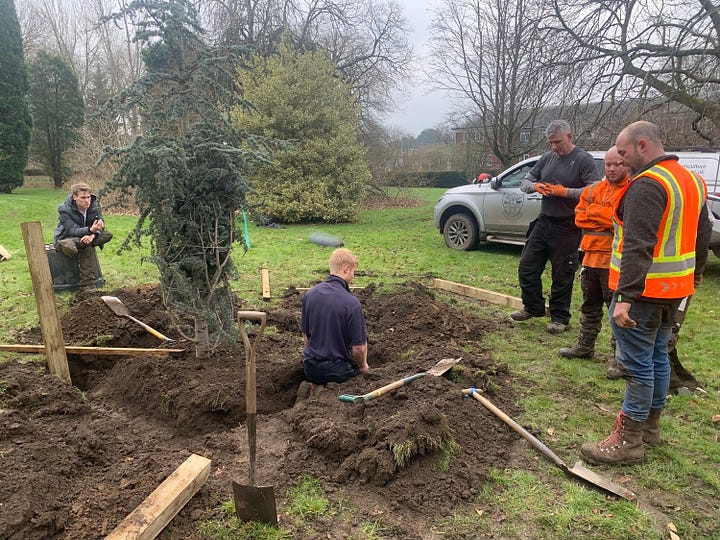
{"x": 86, "y": 258}
{"x": 555, "y": 240}
{"x": 324, "y": 371}
{"x": 596, "y": 296}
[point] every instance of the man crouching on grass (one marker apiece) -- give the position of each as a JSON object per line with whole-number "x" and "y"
{"x": 333, "y": 325}
{"x": 80, "y": 228}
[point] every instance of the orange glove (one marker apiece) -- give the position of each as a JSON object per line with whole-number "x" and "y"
{"x": 556, "y": 190}
{"x": 542, "y": 188}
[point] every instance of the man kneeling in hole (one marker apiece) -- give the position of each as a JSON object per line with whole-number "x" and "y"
{"x": 333, "y": 325}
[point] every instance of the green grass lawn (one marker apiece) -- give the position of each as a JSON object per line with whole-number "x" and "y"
{"x": 567, "y": 402}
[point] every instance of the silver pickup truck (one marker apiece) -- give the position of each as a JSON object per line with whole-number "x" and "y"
{"x": 497, "y": 211}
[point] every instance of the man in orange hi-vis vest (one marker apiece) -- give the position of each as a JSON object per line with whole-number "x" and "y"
{"x": 656, "y": 261}
{"x": 593, "y": 216}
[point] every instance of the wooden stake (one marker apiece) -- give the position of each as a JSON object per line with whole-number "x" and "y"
{"x": 481, "y": 294}
{"x": 104, "y": 351}
{"x": 265, "y": 273}
{"x": 45, "y": 300}
{"x": 154, "y": 513}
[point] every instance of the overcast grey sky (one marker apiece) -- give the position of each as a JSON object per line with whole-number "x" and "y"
{"x": 421, "y": 110}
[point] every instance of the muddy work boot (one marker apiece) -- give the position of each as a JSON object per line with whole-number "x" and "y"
{"x": 584, "y": 348}
{"x": 624, "y": 446}
{"x": 68, "y": 246}
{"x": 522, "y": 315}
{"x": 556, "y": 327}
{"x": 651, "y": 428}
{"x": 616, "y": 370}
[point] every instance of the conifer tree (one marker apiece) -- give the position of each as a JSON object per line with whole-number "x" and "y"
{"x": 322, "y": 174}
{"x": 15, "y": 122}
{"x": 57, "y": 109}
{"x": 188, "y": 170}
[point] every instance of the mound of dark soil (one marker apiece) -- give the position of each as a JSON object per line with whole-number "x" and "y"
{"x": 77, "y": 459}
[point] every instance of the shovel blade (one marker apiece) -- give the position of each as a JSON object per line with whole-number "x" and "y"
{"x": 586, "y": 474}
{"x": 442, "y": 366}
{"x": 114, "y": 303}
{"x": 255, "y": 503}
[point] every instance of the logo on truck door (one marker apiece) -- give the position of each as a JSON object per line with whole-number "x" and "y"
{"x": 512, "y": 204}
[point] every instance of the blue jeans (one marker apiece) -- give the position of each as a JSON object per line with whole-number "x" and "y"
{"x": 643, "y": 351}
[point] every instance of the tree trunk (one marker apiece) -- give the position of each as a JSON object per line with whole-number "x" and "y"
{"x": 202, "y": 339}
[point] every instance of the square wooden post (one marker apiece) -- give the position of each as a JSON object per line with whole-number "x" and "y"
{"x": 45, "y": 300}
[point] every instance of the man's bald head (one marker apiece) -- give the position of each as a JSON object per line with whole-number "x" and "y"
{"x": 639, "y": 144}
{"x": 615, "y": 168}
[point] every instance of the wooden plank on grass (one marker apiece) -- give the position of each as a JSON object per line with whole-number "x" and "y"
{"x": 481, "y": 294}
{"x": 45, "y": 300}
{"x": 163, "y": 504}
{"x": 105, "y": 351}
{"x": 265, "y": 273}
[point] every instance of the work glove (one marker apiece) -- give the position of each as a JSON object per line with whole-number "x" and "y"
{"x": 541, "y": 188}
{"x": 556, "y": 190}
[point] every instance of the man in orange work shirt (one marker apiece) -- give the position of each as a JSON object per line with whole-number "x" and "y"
{"x": 593, "y": 215}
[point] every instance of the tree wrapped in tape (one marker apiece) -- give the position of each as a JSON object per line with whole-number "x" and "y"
{"x": 187, "y": 171}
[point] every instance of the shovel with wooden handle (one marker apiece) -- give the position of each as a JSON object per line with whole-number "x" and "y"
{"x": 114, "y": 303}
{"x": 577, "y": 470}
{"x": 253, "y": 502}
{"x": 437, "y": 370}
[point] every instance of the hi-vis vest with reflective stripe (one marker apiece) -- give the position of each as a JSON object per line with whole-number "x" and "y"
{"x": 671, "y": 273}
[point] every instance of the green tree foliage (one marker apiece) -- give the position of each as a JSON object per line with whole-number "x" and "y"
{"x": 187, "y": 170}
{"x": 15, "y": 123}
{"x": 321, "y": 175}
{"x": 57, "y": 110}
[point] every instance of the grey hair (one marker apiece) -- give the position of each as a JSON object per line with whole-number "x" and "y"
{"x": 557, "y": 126}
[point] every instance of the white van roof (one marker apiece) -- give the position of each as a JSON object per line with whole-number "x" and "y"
{"x": 706, "y": 164}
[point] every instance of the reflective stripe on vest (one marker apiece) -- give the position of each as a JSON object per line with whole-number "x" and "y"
{"x": 671, "y": 273}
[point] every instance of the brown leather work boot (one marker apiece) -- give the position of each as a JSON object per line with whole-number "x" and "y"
{"x": 523, "y": 315}
{"x": 68, "y": 246}
{"x": 624, "y": 446}
{"x": 616, "y": 370}
{"x": 581, "y": 349}
{"x": 651, "y": 428}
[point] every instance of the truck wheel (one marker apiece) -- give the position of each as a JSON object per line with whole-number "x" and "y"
{"x": 460, "y": 232}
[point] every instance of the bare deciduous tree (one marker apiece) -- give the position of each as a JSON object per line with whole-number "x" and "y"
{"x": 366, "y": 40}
{"x": 500, "y": 58}
{"x": 668, "y": 49}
